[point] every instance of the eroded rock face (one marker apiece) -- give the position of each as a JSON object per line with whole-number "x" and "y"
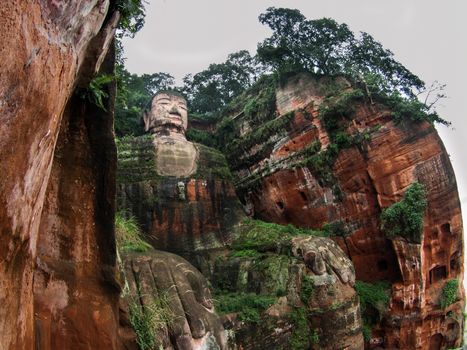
{"x": 351, "y": 192}
{"x": 45, "y": 45}
{"x": 182, "y": 295}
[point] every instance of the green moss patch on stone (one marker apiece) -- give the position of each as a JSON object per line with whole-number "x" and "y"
{"x": 136, "y": 159}
{"x": 248, "y": 306}
{"x": 211, "y": 164}
{"x": 264, "y": 236}
{"x": 306, "y": 289}
{"x": 301, "y": 338}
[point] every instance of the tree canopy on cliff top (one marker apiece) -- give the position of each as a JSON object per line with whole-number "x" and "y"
{"x": 321, "y": 46}
{"x": 324, "y": 46}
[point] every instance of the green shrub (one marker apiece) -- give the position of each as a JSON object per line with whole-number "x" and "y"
{"x": 249, "y": 306}
{"x": 128, "y": 234}
{"x": 449, "y": 294}
{"x": 306, "y": 289}
{"x": 301, "y": 337}
{"x": 405, "y": 218}
{"x": 336, "y": 228}
{"x": 96, "y": 90}
{"x": 149, "y": 319}
{"x": 335, "y": 109}
{"x": 375, "y": 295}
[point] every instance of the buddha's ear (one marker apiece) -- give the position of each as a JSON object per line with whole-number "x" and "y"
{"x": 146, "y": 120}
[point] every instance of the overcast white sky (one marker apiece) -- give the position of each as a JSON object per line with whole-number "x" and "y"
{"x": 428, "y": 36}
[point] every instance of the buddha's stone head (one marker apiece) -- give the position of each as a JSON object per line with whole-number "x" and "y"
{"x": 167, "y": 114}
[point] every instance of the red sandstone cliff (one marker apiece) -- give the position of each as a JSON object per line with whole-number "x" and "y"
{"x": 57, "y": 253}
{"x": 351, "y": 192}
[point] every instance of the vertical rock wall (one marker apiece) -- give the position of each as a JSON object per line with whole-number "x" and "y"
{"x": 44, "y": 45}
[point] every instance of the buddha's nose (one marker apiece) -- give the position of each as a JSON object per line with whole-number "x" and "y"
{"x": 174, "y": 110}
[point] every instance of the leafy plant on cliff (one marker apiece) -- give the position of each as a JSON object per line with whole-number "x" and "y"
{"x": 96, "y": 90}
{"x": 128, "y": 234}
{"x": 132, "y": 14}
{"x": 148, "y": 320}
{"x": 405, "y": 218}
{"x": 449, "y": 294}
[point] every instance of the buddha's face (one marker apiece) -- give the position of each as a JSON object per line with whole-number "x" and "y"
{"x": 169, "y": 111}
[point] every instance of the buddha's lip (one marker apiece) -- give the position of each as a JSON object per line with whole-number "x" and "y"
{"x": 175, "y": 115}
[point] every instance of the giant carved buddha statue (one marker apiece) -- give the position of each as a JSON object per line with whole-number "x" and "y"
{"x": 167, "y": 120}
{"x": 179, "y": 191}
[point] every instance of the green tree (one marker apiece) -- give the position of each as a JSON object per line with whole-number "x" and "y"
{"x": 324, "y": 46}
{"x": 214, "y": 87}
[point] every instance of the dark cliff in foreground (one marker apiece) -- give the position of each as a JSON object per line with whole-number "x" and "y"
{"x": 57, "y": 183}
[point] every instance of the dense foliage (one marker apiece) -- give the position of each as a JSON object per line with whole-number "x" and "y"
{"x": 213, "y": 88}
{"x": 326, "y": 47}
{"x": 405, "y": 218}
{"x": 132, "y": 14}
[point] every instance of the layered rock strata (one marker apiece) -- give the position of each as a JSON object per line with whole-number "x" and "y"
{"x": 296, "y": 171}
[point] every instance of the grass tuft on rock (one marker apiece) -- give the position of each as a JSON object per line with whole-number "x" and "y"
{"x": 264, "y": 236}
{"x": 150, "y": 319}
{"x": 128, "y": 234}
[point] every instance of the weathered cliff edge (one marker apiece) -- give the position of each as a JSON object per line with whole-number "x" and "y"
{"x": 57, "y": 253}
{"x": 291, "y": 170}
